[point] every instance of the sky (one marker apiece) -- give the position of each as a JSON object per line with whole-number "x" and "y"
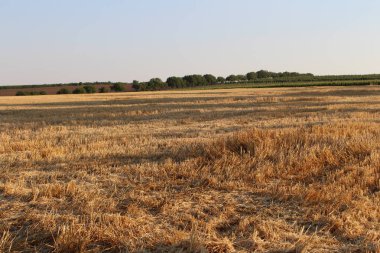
{"x": 55, "y": 41}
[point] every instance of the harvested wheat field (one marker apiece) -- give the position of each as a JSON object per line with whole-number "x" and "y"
{"x": 245, "y": 170}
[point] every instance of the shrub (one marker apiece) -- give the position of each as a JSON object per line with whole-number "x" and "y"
{"x": 63, "y": 91}
{"x": 30, "y": 93}
{"x": 90, "y": 89}
{"x": 79, "y": 90}
{"x": 103, "y": 90}
{"x": 118, "y": 87}
{"x": 138, "y": 87}
{"x": 20, "y": 93}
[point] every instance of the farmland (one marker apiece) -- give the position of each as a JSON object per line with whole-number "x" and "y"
{"x": 259, "y": 79}
{"x": 224, "y": 170}
{"x": 288, "y": 84}
{"x": 48, "y": 89}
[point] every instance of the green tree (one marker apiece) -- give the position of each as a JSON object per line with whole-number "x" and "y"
{"x": 241, "y": 78}
{"x": 79, "y": 90}
{"x": 263, "y": 74}
{"x": 90, "y": 89}
{"x": 136, "y": 85}
{"x": 210, "y": 79}
{"x": 251, "y": 76}
{"x": 232, "y": 78}
{"x": 175, "y": 82}
{"x": 118, "y": 87}
{"x": 140, "y": 87}
{"x": 63, "y": 91}
{"x": 156, "y": 84}
{"x": 221, "y": 79}
{"x": 195, "y": 80}
{"x": 104, "y": 89}
{"x": 20, "y": 93}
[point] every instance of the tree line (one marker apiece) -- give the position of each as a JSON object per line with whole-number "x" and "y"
{"x": 86, "y": 89}
{"x": 209, "y": 79}
{"x": 30, "y": 93}
{"x": 174, "y": 82}
{"x": 116, "y": 87}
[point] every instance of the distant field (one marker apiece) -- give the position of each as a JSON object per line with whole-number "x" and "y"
{"x": 242, "y": 170}
{"x": 50, "y": 90}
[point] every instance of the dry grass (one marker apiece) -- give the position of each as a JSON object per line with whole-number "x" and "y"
{"x": 272, "y": 170}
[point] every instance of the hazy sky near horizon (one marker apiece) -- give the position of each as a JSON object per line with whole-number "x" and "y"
{"x": 54, "y": 41}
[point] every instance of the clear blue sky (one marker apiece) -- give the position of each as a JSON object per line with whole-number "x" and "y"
{"x": 53, "y": 41}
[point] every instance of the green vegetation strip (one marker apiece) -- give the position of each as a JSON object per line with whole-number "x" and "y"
{"x": 279, "y": 85}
